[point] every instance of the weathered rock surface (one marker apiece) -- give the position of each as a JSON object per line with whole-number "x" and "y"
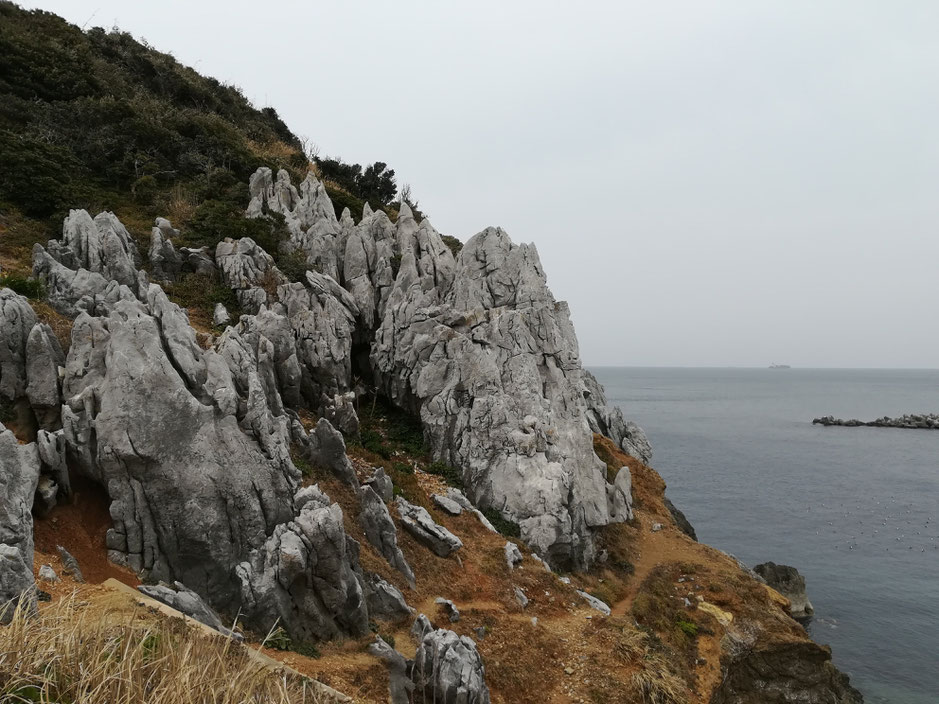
{"x": 188, "y": 602}
{"x": 17, "y": 321}
{"x": 417, "y": 521}
{"x": 385, "y": 600}
{"x": 787, "y": 581}
{"x": 382, "y": 484}
{"x": 481, "y": 350}
{"x": 327, "y": 449}
{"x": 380, "y": 531}
{"x": 597, "y": 604}
{"x": 910, "y": 421}
{"x": 304, "y": 575}
{"x": 19, "y": 476}
{"x": 800, "y": 672}
{"x": 449, "y": 670}
{"x": 44, "y": 359}
{"x": 449, "y": 608}
{"x": 513, "y": 556}
{"x": 684, "y": 525}
{"x": 609, "y": 421}
{"x": 400, "y": 685}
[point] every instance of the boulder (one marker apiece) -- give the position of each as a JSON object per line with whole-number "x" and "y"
{"x": 304, "y": 576}
{"x": 446, "y": 504}
{"x": 513, "y": 556}
{"x": 597, "y": 604}
{"x": 165, "y": 262}
{"x": 220, "y": 316}
{"x": 448, "y": 669}
{"x": 417, "y": 521}
{"x": 787, "y": 581}
{"x": 382, "y": 484}
{"x": 449, "y": 608}
{"x": 385, "y": 600}
{"x": 380, "y": 531}
{"x": 327, "y": 449}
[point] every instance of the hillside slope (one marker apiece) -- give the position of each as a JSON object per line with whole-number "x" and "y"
{"x": 324, "y": 423}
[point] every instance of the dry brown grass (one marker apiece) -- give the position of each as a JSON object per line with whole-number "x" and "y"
{"x": 73, "y": 653}
{"x": 657, "y": 684}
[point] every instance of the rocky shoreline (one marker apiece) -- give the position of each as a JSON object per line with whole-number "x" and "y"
{"x": 913, "y": 421}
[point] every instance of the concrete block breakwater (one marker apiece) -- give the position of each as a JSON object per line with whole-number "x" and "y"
{"x": 922, "y": 421}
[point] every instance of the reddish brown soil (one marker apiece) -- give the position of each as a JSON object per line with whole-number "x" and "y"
{"x": 80, "y": 527}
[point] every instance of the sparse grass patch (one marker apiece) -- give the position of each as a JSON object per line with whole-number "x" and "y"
{"x": 451, "y": 475}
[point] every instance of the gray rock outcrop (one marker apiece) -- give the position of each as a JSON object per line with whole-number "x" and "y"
{"x": 400, "y": 685}
{"x": 482, "y": 351}
{"x": 418, "y": 522}
{"x": 385, "y": 600}
{"x": 380, "y": 531}
{"x": 448, "y": 669}
{"x": 17, "y": 320}
{"x": 19, "y": 476}
{"x": 787, "y": 581}
{"x": 609, "y": 421}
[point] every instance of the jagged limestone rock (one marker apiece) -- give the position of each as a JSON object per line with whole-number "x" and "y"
{"x": 596, "y": 603}
{"x": 609, "y": 421}
{"x": 620, "y": 497}
{"x": 381, "y": 532}
{"x": 446, "y": 504}
{"x": 513, "y": 556}
{"x": 340, "y": 411}
{"x": 327, "y": 449}
{"x": 248, "y": 270}
{"x": 103, "y": 246}
{"x": 417, "y": 521}
{"x": 17, "y": 321}
{"x": 449, "y": 608}
{"x": 165, "y": 262}
{"x": 449, "y": 670}
{"x": 238, "y": 509}
{"x": 220, "y": 316}
{"x": 459, "y": 498}
{"x": 385, "y": 600}
{"x": 70, "y": 564}
{"x": 382, "y": 484}
{"x": 399, "y": 685}
{"x": 481, "y": 350}
{"x": 68, "y": 291}
{"x": 303, "y": 576}
{"x": 19, "y": 476}
{"x": 44, "y": 359}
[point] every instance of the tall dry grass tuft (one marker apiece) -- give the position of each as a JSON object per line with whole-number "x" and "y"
{"x": 657, "y": 684}
{"x": 72, "y": 652}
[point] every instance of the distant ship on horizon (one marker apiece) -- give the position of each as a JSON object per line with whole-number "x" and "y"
{"x": 779, "y": 366}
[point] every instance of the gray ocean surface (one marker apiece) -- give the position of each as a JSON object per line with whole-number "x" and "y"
{"x": 856, "y": 510}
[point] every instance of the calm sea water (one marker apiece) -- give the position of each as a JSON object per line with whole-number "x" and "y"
{"x": 856, "y": 510}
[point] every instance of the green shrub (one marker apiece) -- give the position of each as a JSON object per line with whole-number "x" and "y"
{"x": 451, "y": 475}
{"x": 25, "y": 287}
{"x": 453, "y": 243}
{"x": 508, "y": 528}
{"x": 403, "y": 468}
{"x": 689, "y": 628}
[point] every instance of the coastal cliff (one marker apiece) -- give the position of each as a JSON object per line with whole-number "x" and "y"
{"x": 336, "y": 425}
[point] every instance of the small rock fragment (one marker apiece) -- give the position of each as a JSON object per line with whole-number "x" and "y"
{"x": 70, "y": 564}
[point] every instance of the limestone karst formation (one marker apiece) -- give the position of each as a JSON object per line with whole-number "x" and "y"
{"x": 191, "y": 435}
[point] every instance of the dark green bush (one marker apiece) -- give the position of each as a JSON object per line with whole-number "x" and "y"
{"x": 451, "y": 475}
{"x": 508, "y": 528}
{"x": 25, "y": 287}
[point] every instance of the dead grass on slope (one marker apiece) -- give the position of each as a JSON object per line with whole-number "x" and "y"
{"x": 72, "y": 652}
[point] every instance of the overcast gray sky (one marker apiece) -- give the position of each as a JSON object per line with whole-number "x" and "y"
{"x": 708, "y": 183}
